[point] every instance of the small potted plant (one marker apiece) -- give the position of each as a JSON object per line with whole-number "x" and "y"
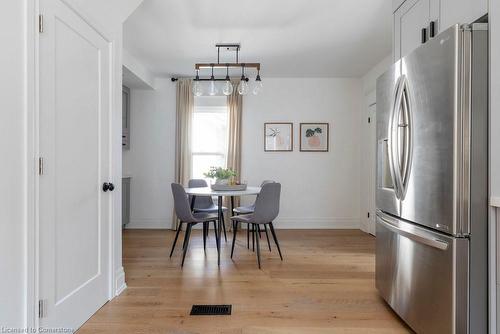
{"x": 221, "y": 175}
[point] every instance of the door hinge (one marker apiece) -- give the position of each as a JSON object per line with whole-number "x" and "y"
{"x": 369, "y": 119}
{"x": 40, "y": 166}
{"x": 40, "y": 23}
{"x": 42, "y": 308}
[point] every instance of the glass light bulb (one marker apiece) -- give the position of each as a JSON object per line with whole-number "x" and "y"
{"x": 213, "y": 89}
{"x": 197, "y": 89}
{"x": 258, "y": 87}
{"x": 243, "y": 87}
{"x": 228, "y": 88}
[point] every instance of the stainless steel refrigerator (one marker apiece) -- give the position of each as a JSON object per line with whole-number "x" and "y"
{"x": 432, "y": 184}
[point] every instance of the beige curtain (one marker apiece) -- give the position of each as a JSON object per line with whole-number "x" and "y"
{"x": 184, "y": 116}
{"x": 235, "y": 106}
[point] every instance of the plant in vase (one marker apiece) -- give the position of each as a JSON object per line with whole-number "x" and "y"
{"x": 221, "y": 175}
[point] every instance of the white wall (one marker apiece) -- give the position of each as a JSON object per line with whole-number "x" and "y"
{"x": 150, "y": 160}
{"x": 13, "y": 195}
{"x": 319, "y": 190}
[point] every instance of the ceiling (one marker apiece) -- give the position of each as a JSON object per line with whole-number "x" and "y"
{"x": 290, "y": 38}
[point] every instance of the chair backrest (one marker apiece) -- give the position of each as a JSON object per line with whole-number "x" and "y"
{"x": 267, "y": 204}
{"x": 200, "y": 202}
{"x": 181, "y": 203}
{"x": 266, "y": 182}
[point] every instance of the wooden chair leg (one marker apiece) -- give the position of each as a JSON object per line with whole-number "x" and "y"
{"x": 267, "y": 236}
{"x": 256, "y": 232}
{"x": 188, "y": 234}
{"x": 176, "y": 236}
{"x": 235, "y": 231}
{"x": 271, "y": 227}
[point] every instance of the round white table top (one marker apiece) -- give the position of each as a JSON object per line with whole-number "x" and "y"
{"x": 207, "y": 191}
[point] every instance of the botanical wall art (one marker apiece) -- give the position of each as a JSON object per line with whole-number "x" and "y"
{"x": 278, "y": 137}
{"x": 314, "y": 137}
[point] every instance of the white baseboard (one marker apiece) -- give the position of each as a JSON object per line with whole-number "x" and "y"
{"x": 120, "y": 281}
{"x": 280, "y": 223}
{"x": 149, "y": 224}
{"x": 317, "y": 223}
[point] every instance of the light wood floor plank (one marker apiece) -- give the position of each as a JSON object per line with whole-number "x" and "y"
{"x": 324, "y": 285}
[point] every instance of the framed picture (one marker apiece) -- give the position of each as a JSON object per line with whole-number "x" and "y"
{"x": 278, "y": 137}
{"x": 314, "y": 137}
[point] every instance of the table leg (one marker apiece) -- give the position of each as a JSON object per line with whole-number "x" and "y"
{"x": 231, "y": 213}
{"x": 219, "y": 225}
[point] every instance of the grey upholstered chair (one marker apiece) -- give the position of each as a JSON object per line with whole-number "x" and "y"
{"x": 183, "y": 212}
{"x": 205, "y": 204}
{"x": 266, "y": 210}
{"x": 243, "y": 210}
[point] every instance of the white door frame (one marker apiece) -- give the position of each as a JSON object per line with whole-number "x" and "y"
{"x": 32, "y": 74}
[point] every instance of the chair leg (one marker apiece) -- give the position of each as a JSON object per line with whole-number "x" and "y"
{"x": 216, "y": 235}
{"x": 271, "y": 227}
{"x": 235, "y": 231}
{"x": 253, "y": 237}
{"x": 215, "y": 229}
{"x": 258, "y": 229}
{"x": 205, "y": 235}
{"x": 256, "y": 232}
{"x": 267, "y": 236}
{"x": 224, "y": 226}
{"x": 248, "y": 236}
{"x": 176, "y": 236}
{"x": 188, "y": 234}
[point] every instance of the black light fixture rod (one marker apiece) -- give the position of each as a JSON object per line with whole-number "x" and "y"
{"x": 218, "y": 79}
{"x": 218, "y": 55}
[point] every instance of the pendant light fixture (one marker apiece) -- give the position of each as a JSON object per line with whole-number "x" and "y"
{"x": 243, "y": 85}
{"x": 227, "y": 88}
{"x": 213, "y": 89}
{"x": 197, "y": 88}
{"x": 258, "y": 84}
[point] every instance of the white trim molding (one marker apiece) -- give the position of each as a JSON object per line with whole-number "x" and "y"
{"x": 120, "y": 284}
{"x": 318, "y": 223}
{"x": 495, "y": 201}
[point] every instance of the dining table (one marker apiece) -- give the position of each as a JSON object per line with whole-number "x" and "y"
{"x": 208, "y": 191}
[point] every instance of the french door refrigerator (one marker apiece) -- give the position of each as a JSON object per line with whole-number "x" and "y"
{"x": 432, "y": 184}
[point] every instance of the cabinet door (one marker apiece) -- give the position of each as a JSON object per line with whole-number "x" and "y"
{"x": 461, "y": 11}
{"x": 409, "y": 20}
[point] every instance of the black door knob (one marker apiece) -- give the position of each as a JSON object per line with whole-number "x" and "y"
{"x": 105, "y": 186}
{"x": 111, "y": 186}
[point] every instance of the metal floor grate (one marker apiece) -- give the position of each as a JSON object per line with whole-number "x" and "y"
{"x": 211, "y": 310}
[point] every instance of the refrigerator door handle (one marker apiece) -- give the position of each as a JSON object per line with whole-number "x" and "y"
{"x": 407, "y": 127}
{"x": 400, "y": 138}
{"x": 412, "y": 234}
{"x": 391, "y": 144}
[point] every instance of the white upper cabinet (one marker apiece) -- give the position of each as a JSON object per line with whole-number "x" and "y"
{"x": 415, "y": 21}
{"x": 461, "y": 11}
{"x": 409, "y": 20}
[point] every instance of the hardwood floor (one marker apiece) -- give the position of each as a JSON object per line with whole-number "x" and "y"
{"x": 324, "y": 285}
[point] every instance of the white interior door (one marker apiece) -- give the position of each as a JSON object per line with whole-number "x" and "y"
{"x": 74, "y": 212}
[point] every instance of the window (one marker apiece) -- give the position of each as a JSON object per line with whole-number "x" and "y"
{"x": 209, "y": 134}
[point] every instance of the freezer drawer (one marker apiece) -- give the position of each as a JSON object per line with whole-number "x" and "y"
{"x": 423, "y": 276}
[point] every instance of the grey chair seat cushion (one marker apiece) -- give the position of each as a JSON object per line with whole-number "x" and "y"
{"x": 241, "y": 210}
{"x": 201, "y": 217}
{"x": 210, "y": 209}
{"x": 243, "y": 218}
